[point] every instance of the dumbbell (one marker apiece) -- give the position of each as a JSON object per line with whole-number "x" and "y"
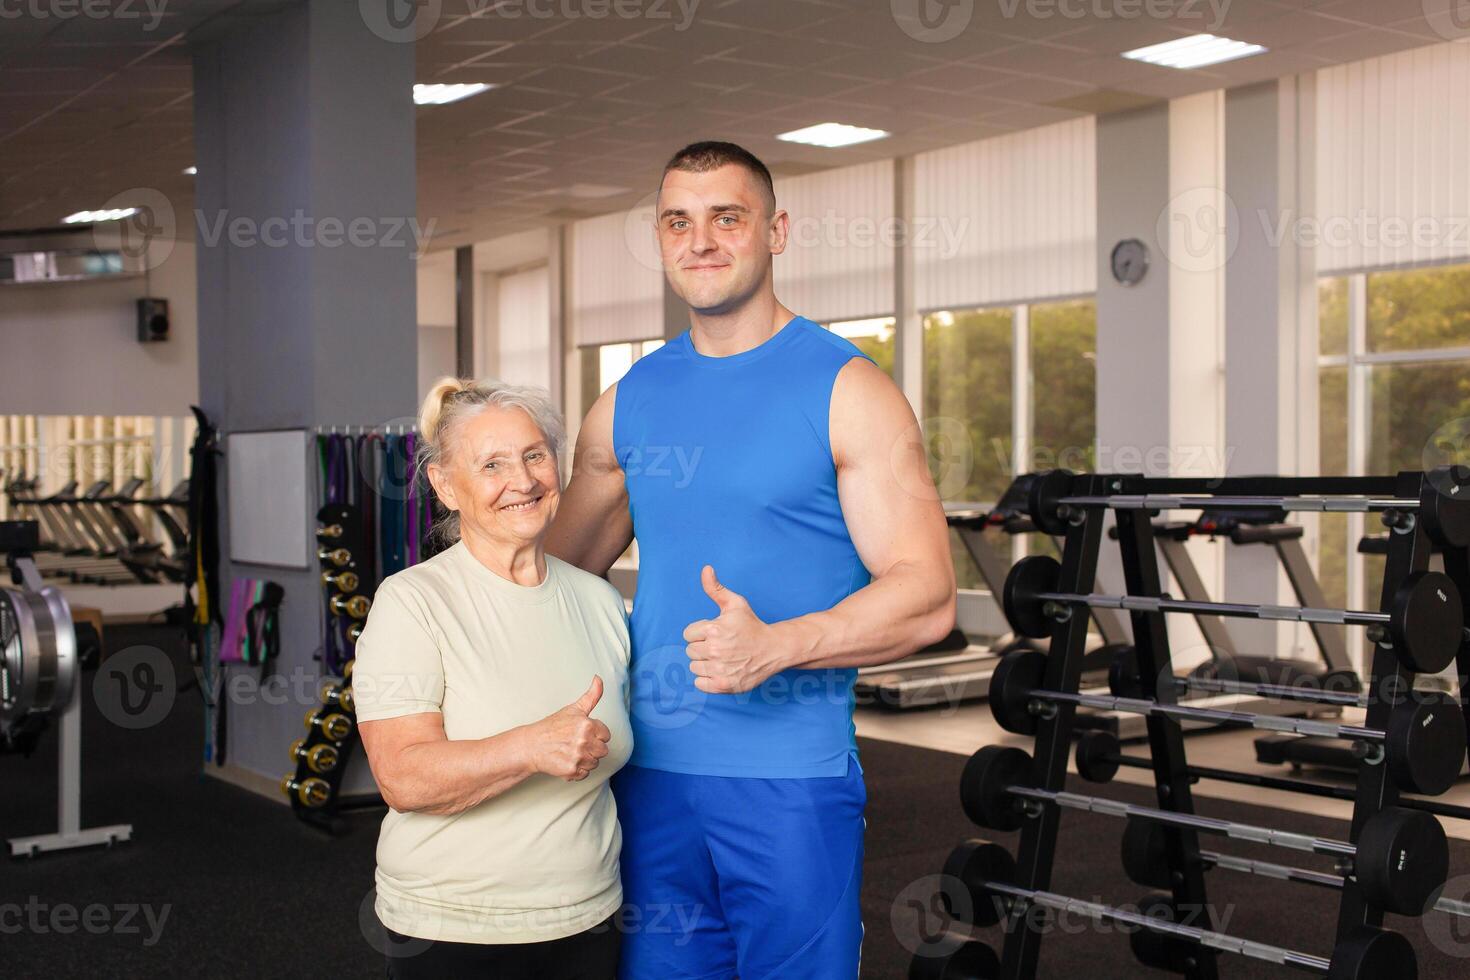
{"x": 312, "y": 792}
{"x": 1426, "y": 625}
{"x": 1424, "y": 744}
{"x": 333, "y": 695}
{"x": 1099, "y": 756}
{"x": 329, "y": 532}
{"x": 321, "y": 758}
{"x": 334, "y": 726}
{"x": 343, "y": 581}
{"x": 1446, "y": 513}
{"x": 988, "y": 873}
{"x": 1145, "y": 862}
{"x": 1401, "y": 859}
{"x": 354, "y": 631}
{"x": 355, "y": 606}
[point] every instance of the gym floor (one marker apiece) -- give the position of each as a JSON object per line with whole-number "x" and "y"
{"x": 220, "y": 882}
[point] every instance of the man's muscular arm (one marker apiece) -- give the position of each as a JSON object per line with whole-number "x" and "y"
{"x": 592, "y": 525}
{"x": 896, "y": 521}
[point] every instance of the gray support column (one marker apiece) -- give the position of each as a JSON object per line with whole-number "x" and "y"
{"x": 1158, "y": 340}
{"x": 1270, "y": 303}
{"x": 464, "y": 311}
{"x": 307, "y": 229}
{"x": 1133, "y": 336}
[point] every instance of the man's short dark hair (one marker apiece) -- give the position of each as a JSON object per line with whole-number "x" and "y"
{"x": 702, "y": 157}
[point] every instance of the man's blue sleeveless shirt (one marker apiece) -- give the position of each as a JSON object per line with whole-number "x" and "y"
{"x": 728, "y": 463}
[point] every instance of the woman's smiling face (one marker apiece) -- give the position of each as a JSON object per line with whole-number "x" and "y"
{"x": 500, "y": 474}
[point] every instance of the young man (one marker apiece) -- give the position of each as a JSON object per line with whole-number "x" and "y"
{"x": 788, "y": 533}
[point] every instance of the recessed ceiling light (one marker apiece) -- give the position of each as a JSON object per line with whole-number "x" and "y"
{"x": 191, "y": 171}
{"x": 832, "y": 134}
{"x": 1194, "y": 51}
{"x": 593, "y": 191}
{"x": 440, "y": 94}
{"x": 88, "y": 217}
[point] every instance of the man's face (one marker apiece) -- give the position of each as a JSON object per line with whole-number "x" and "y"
{"x": 716, "y": 235}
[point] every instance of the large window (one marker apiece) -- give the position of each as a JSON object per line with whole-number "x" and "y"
{"x": 604, "y": 366}
{"x": 1394, "y": 385}
{"x": 982, "y": 431}
{"x": 873, "y": 337}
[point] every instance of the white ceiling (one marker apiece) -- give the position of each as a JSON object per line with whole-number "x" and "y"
{"x": 90, "y": 107}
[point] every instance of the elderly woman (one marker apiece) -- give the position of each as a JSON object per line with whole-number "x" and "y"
{"x": 491, "y": 689}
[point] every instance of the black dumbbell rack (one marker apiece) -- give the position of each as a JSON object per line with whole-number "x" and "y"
{"x": 1425, "y": 516}
{"x": 340, "y": 550}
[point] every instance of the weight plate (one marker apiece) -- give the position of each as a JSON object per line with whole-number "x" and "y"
{"x": 1426, "y": 743}
{"x": 1027, "y": 578}
{"x": 974, "y": 863}
{"x": 1446, "y": 511}
{"x": 1046, "y": 490}
{"x": 1018, "y": 674}
{"x": 1123, "y": 674}
{"x": 1145, "y": 859}
{"x": 985, "y": 784}
{"x": 1156, "y": 949}
{"x": 1097, "y": 757}
{"x": 1427, "y": 622}
{"x": 1373, "y": 954}
{"x": 1403, "y": 860}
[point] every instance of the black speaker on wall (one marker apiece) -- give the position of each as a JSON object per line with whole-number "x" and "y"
{"x": 152, "y": 320}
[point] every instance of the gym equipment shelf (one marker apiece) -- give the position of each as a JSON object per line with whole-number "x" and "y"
{"x": 1419, "y": 626}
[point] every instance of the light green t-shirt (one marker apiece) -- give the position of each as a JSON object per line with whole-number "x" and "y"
{"x": 540, "y": 861}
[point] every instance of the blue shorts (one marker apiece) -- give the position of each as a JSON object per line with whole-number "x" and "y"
{"x": 727, "y": 876}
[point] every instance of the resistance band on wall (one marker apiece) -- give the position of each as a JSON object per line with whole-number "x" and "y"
{"x": 391, "y": 509}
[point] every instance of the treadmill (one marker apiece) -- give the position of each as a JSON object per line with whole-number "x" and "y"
{"x": 1335, "y": 672}
{"x": 956, "y": 670}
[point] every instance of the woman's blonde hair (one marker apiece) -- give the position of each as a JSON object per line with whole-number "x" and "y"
{"x": 452, "y": 400}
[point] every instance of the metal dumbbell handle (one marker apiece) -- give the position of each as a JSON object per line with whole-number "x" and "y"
{"x": 1284, "y": 692}
{"x": 1208, "y": 825}
{"x": 1157, "y": 501}
{"x": 1204, "y": 937}
{"x": 1140, "y": 603}
{"x": 1221, "y": 716}
{"x": 1283, "y": 872}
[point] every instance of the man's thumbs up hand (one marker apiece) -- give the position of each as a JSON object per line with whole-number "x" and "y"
{"x": 735, "y": 651}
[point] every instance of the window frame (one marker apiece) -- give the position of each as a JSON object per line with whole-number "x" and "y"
{"x": 977, "y": 613}
{"x": 1359, "y": 362}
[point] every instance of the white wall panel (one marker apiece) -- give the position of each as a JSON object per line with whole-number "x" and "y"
{"x": 838, "y": 263}
{"x": 617, "y": 285}
{"x": 524, "y": 300}
{"x": 1008, "y": 219}
{"x": 1393, "y": 142}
